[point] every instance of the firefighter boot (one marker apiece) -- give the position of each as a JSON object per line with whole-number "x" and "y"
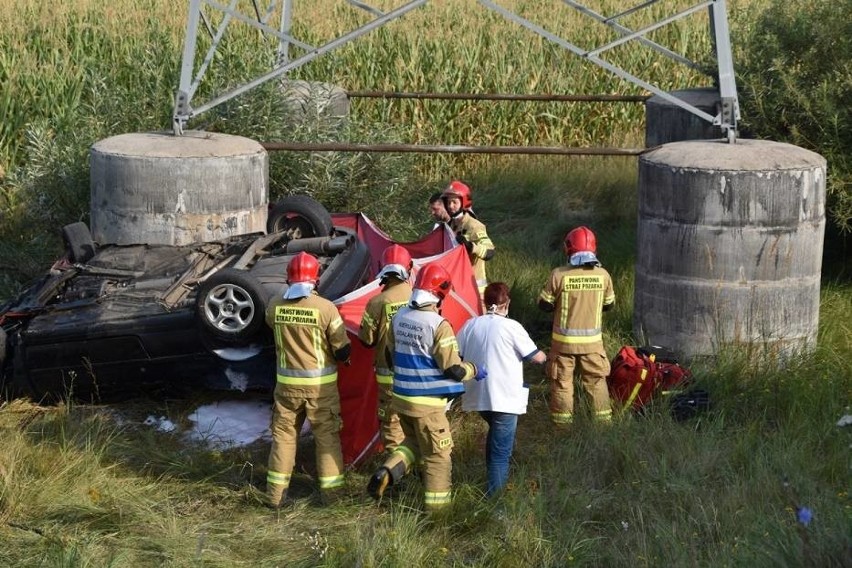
{"x": 383, "y": 478}
{"x": 378, "y": 483}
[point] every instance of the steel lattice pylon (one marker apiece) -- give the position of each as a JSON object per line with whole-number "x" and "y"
{"x": 192, "y": 75}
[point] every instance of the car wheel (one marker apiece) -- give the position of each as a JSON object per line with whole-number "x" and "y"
{"x": 300, "y": 215}
{"x": 78, "y": 242}
{"x": 231, "y": 305}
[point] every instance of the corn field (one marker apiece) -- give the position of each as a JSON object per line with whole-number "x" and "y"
{"x": 115, "y": 65}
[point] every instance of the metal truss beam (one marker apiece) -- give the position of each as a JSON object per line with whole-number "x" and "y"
{"x": 190, "y": 79}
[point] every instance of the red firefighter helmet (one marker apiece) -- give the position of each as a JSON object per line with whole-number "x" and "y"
{"x": 303, "y": 268}
{"x": 435, "y": 279}
{"x": 460, "y": 190}
{"x": 396, "y": 260}
{"x": 581, "y": 239}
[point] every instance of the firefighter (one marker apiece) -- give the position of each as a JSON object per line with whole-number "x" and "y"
{"x": 470, "y": 232}
{"x": 375, "y": 323}
{"x": 309, "y": 341}
{"x": 577, "y": 294}
{"x": 428, "y": 371}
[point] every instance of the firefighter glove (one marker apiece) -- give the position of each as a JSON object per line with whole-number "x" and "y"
{"x": 343, "y": 353}
{"x": 462, "y": 240}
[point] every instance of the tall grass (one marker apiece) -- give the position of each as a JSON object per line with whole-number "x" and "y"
{"x": 85, "y": 485}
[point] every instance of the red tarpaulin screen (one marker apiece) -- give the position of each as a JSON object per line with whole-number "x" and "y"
{"x": 357, "y": 382}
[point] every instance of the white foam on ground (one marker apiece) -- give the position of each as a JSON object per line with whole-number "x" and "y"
{"x": 231, "y": 423}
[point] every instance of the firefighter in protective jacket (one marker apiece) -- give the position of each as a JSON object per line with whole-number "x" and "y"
{"x": 577, "y": 294}
{"x": 309, "y": 341}
{"x": 375, "y": 326}
{"x": 428, "y": 371}
{"x": 470, "y": 232}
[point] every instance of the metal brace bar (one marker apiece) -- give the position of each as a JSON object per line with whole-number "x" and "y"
{"x": 610, "y": 22}
{"x": 446, "y": 149}
{"x": 342, "y": 40}
{"x": 220, "y": 32}
{"x": 632, "y": 10}
{"x": 600, "y": 62}
{"x": 283, "y": 55}
{"x": 255, "y": 24}
{"x": 727, "y": 118}
{"x": 182, "y": 97}
{"x": 730, "y": 111}
{"x": 652, "y": 27}
{"x": 366, "y": 7}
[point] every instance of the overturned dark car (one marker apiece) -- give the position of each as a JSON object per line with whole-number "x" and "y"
{"x": 117, "y": 321}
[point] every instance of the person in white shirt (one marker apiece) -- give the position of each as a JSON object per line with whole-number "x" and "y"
{"x": 501, "y": 345}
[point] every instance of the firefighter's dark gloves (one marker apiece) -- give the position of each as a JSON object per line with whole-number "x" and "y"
{"x": 462, "y": 240}
{"x": 481, "y": 374}
{"x": 343, "y": 353}
{"x": 455, "y": 373}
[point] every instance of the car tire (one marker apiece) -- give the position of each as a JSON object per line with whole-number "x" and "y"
{"x": 302, "y": 215}
{"x": 78, "y": 242}
{"x": 231, "y": 306}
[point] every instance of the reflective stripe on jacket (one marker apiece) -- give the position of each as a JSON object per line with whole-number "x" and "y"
{"x": 578, "y": 295}
{"x": 375, "y": 323}
{"x": 307, "y": 333}
{"x": 422, "y": 350}
{"x": 474, "y": 230}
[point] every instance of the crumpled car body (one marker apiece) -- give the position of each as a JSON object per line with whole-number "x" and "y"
{"x": 118, "y": 321}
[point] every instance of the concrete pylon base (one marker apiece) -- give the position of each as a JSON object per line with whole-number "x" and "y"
{"x": 729, "y": 246}
{"x": 157, "y": 188}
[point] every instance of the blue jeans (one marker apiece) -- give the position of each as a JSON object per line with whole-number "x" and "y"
{"x": 498, "y": 447}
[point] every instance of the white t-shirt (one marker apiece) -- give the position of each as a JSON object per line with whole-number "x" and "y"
{"x": 500, "y": 345}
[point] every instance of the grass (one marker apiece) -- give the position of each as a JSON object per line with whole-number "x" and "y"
{"x": 90, "y": 485}
{"x": 79, "y": 487}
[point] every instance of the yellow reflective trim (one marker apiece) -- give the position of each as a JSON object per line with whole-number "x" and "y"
{"x": 367, "y": 320}
{"x": 549, "y": 298}
{"x": 562, "y": 417}
{"x": 423, "y": 400}
{"x": 384, "y": 379}
{"x": 302, "y": 381}
{"x": 282, "y": 357}
{"x": 633, "y": 394}
{"x": 603, "y": 415}
{"x": 318, "y": 347}
{"x": 331, "y": 481}
{"x": 335, "y": 324}
{"x": 406, "y": 454}
{"x": 577, "y": 339}
{"x": 278, "y": 478}
{"x": 451, "y": 341}
{"x": 437, "y": 497}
